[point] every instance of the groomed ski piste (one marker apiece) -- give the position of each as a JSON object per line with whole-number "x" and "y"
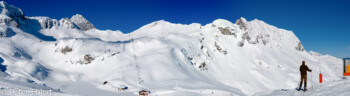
{"x": 71, "y": 57}
{"x": 331, "y": 88}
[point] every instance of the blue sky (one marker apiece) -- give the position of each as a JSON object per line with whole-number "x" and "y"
{"x": 321, "y": 25}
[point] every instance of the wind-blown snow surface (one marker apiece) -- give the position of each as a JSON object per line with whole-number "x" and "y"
{"x": 332, "y": 88}
{"x": 220, "y": 58}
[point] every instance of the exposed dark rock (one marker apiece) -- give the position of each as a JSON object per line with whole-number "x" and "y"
{"x": 220, "y": 49}
{"x": 202, "y": 66}
{"x": 241, "y": 44}
{"x": 246, "y": 36}
{"x": 242, "y": 23}
{"x": 299, "y": 47}
{"x": 82, "y": 23}
{"x": 66, "y": 50}
{"x": 88, "y": 58}
{"x": 104, "y": 83}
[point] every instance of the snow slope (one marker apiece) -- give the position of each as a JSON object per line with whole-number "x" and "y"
{"x": 220, "y": 58}
{"x": 333, "y": 88}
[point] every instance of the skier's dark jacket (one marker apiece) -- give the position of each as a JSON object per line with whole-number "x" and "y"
{"x": 303, "y": 69}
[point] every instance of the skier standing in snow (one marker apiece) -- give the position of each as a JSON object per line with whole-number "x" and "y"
{"x": 303, "y": 74}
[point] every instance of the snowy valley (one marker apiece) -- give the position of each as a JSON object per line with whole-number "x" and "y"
{"x": 71, "y": 57}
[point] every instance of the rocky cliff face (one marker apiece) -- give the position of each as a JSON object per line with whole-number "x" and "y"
{"x": 10, "y": 15}
{"x": 81, "y": 22}
{"x": 76, "y": 22}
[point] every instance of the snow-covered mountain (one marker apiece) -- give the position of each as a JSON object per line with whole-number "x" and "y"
{"x": 222, "y": 58}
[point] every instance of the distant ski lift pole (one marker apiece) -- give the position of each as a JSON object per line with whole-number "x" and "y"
{"x": 346, "y": 66}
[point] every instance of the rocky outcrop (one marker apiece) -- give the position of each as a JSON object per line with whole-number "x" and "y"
{"x": 10, "y": 10}
{"x": 299, "y": 47}
{"x": 242, "y": 23}
{"x": 77, "y": 21}
{"x": 81, "y": 22}
{"x": 227, "y": 31}
{"x": 10, "y": 15}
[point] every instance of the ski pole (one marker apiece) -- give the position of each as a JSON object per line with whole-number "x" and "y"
{"x": 312, "y": 84}
{"x": 298, "y": 83}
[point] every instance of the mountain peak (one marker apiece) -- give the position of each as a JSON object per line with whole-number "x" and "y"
{"x": 3, "y": 3}
{"x": 242, "y": 19}
{"x": 10, "y": 10}
{"x": 78, "y": 16}
{"x": 222, "y": 23}
{"x": 242, "y": 23}
{"x": 81, "y": 22}
{"x": 155, "y": 23}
